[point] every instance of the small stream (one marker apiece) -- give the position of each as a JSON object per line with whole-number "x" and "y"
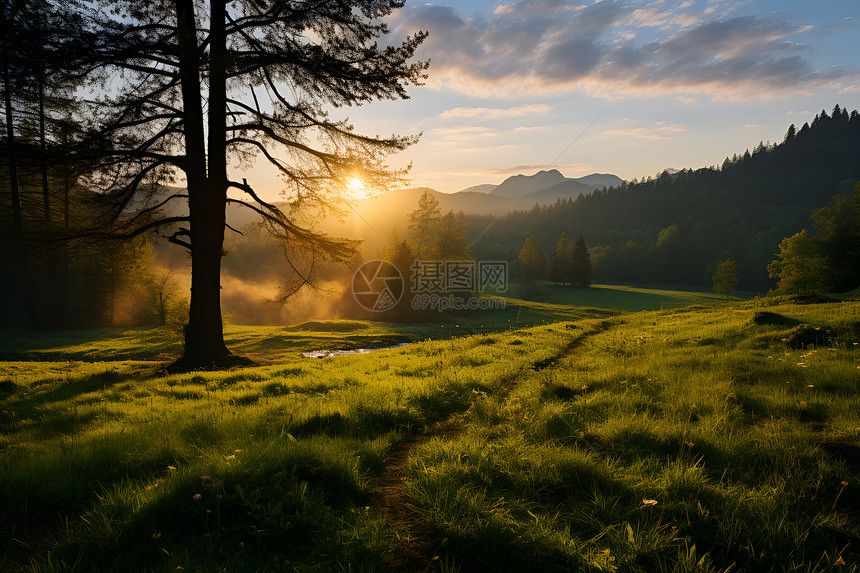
{"x": 335, "y": 353}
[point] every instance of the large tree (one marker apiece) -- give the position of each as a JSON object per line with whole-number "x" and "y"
{"x": 193, "y": 85}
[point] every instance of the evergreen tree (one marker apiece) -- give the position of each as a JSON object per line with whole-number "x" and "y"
{"x": 401, "y": 256}
{"x": 451, "y": 243}
{"x": 436, "y": 237}
{"x": 562, "y": 262}
{"x": 424, "y": 223}
{"x": 581, "y": 264}
{"x": 726, "y": 277}
{"x": 532, "y": 260}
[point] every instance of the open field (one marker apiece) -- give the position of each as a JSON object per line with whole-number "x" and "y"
{"x": 690, "y": 439}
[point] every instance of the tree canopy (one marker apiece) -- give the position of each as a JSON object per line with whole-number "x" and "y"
{"x": 194, "y": 86}
{"x": 799, "y": 267}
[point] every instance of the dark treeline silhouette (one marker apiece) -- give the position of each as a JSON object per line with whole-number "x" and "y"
{"x": 676, "y": 228}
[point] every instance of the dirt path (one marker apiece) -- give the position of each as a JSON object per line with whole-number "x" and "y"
{"x": 416, "y": 546}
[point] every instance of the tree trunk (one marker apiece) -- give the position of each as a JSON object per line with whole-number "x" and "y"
{"x": 46, "y": 199}
{"x": 112, "y": 291}
{"x": 63, "y": 314}
{"x": 204, "y": 334}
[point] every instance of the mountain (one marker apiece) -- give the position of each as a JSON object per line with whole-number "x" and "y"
{"x": 565, "y": 189}
{"x": 527, "y": 184}
{"x": 485, "y": 188}
{"x": 601, "y": 180}
{"x": 552, "y": 185}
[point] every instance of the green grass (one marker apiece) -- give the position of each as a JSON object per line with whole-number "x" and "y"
{"x": 624, "y": 298}
{"x": 569, "y": 431}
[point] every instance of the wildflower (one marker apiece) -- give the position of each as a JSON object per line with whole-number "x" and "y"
{"x": 231, "y": 457}
{"x": 196, "y": 497}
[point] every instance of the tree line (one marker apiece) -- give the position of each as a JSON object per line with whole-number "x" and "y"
{"x": 570, "y": 265}
{"x": 675, "y": 228}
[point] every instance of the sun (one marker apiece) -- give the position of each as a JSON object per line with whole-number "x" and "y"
{"x": 356, "y": 185}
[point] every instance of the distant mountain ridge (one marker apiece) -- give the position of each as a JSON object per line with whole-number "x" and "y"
{"x": 548, "y": 185}
{"x": 528, "y": 184}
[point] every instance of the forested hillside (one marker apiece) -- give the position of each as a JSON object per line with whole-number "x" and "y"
{"x": 676, "y": 228}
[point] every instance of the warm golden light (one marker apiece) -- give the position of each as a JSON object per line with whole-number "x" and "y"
{"x": 356, "y": 186}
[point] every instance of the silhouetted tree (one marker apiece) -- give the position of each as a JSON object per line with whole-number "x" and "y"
{"x": 188, "y": 102}
{"x": 424, "y": 224}
{"x": 401, "y": 256}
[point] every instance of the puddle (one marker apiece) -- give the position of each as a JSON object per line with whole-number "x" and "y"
{"x": 335, "y": 353}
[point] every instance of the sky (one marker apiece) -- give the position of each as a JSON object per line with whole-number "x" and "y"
{"x": 614, "y": 86}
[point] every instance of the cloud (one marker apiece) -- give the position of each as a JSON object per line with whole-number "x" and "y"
{"x": 612, "y": 49}
{"x": 460, "y": 133}
{"x": 850, "y": 89}
{"x": 657, "y": 131}
{"x": 843, "y": 24}
{"x": 495, "y": 113}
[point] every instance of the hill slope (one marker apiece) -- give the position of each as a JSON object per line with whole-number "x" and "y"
{"x": 675, "y": 229}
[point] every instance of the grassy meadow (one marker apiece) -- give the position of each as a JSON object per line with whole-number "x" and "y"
{"x": 719, "y": 437}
